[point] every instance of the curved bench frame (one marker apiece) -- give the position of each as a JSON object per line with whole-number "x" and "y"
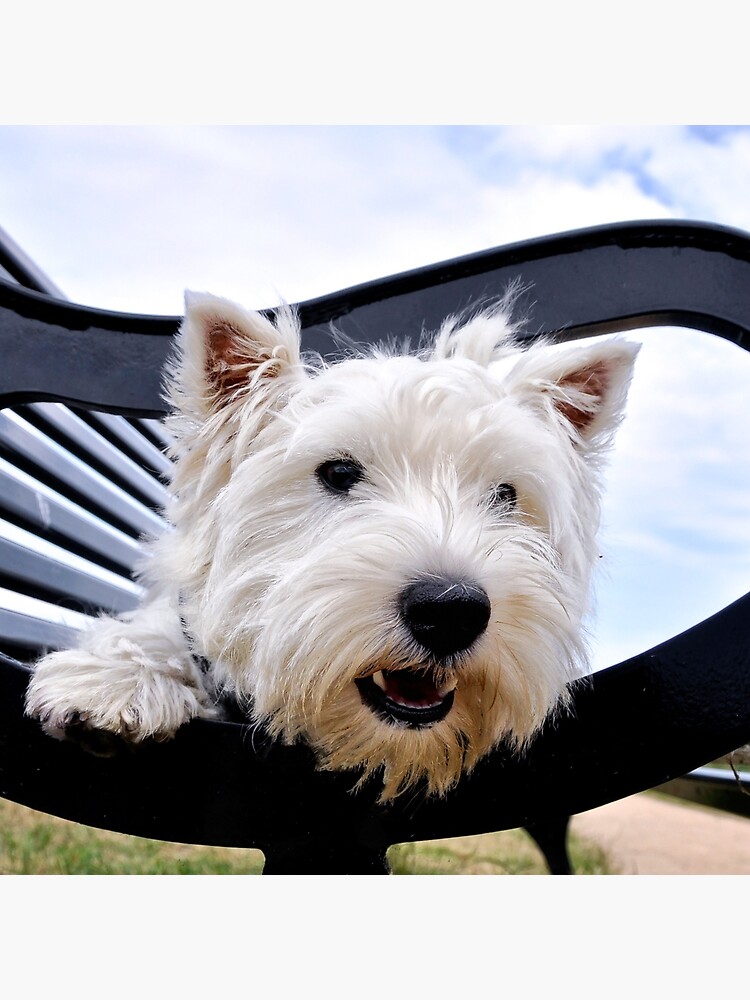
{"x": 633, "y": 726}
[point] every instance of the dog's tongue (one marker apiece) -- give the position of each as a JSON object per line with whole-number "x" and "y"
{"x": 410, "y": 689}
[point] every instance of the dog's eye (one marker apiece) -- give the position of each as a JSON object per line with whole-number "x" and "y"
{"x": 503, "y": 496}
{"x": 340, "y": 475}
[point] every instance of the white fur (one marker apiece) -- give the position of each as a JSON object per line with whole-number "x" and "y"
{"x": 291, "y": 591}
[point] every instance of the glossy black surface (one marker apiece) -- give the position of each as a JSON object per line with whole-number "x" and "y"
{"x": 592, "y": 281}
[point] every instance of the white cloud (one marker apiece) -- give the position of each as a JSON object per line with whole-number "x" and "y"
{"x": 539, "y": 202}
{"x": 582, "y": 149}
{"x": 127, "y": 217}
{"x": 134, "y": 215}
{"x": 707, "y": 180}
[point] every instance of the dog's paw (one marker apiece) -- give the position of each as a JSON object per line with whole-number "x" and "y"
{"x": 102, "y": 704}
{"x": 76, "y": 729}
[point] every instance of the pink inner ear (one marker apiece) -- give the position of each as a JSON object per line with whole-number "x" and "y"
{"x": 588, "y": 387}
{"x": 221, "y": 357}
{"x": 224, "y": 369}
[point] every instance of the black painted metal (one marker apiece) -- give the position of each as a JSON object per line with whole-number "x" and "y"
{"x": 596, "y": 280}
{"x": 551, "y": 837}
{"x": 633, "y": 726}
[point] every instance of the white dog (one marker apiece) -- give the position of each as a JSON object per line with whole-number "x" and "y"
{"x": 389, "y": 556}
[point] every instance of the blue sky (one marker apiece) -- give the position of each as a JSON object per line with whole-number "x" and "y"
{"x": 127, "y": 217}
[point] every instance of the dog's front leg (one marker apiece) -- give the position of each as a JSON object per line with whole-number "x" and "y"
{"x": 130, "y": 678}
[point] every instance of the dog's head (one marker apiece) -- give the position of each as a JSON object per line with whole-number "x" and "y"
{"x": 389, "y": 555}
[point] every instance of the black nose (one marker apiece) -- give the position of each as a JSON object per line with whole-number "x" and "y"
{"x": 444, "y": 616}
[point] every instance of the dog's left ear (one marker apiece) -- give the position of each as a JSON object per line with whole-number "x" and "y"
{"x": 226, "y": 352}
{"x": 586, "y": 384}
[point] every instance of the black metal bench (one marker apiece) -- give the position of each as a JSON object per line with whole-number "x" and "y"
{"x": 80, "y": 457}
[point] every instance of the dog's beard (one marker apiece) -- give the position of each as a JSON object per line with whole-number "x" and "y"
{"x": 350, "y": 733}
{"x": 333, "y": 665}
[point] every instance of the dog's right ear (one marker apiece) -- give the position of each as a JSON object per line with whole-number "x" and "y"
{"x": 227, "y": 353}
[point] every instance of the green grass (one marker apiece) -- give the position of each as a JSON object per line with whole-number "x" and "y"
{"x": 33, "y": 843}
{"x": 510, "y": 852}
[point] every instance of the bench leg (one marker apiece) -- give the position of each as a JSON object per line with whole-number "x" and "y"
{"x": 551, "y": 837}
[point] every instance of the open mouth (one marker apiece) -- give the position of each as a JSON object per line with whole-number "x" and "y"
{"x": 410, "y": 697}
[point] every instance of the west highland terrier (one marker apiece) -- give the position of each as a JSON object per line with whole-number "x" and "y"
{"x": 388, "y": 556}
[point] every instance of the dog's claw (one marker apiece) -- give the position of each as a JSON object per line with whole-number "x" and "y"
{"x": 99, "y": 742}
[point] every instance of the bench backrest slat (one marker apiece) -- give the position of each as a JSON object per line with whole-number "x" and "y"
{"x": 32, "y": 560}
{"x": 50, "y": 513}
{"x": 99, "y": 449}
{"x": 32, "y": 444}
{"x": 77, "y": 491}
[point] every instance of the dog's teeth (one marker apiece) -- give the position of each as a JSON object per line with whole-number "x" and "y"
{"x": 379, "y": 679}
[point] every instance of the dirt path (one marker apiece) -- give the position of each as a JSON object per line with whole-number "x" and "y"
{"x": 650, "y": 835}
